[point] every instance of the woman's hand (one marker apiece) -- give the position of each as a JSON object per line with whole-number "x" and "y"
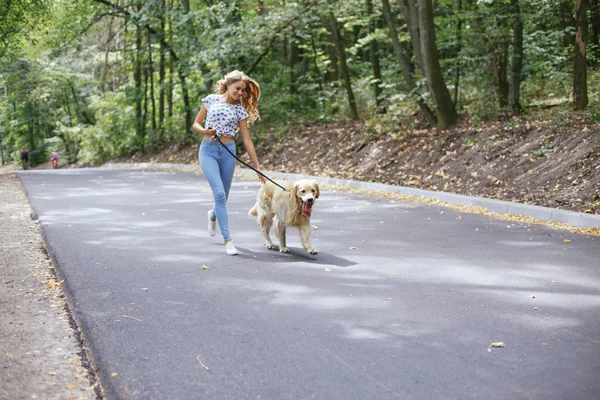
{"x": 210, "y": 131}
{"x": 261, "y": 179}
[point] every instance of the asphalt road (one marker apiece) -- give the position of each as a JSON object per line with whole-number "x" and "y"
{"x": 402, "y": 302}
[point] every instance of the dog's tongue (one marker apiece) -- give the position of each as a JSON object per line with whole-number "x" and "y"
{"x": 306, "y": 209}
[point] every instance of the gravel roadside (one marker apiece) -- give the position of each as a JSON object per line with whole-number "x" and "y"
{"x": 41, "y": 353}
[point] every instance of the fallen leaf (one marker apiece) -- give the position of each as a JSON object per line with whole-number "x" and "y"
{"x": 134, "y": 318}
{"x": 566, "y": 241}
{"x": 145, "y": 289}
{"x": 314, "y": 227}
{"x": 201, "y": 364}
{"x": 497, "y": 344}
{"x": 535, "y": 308}
{"x": 70, "y": 386}
{"x": 353, "y": 248}
{"x": 204, "y": 267}
{"x": 114, "y": 374}
{"x": 327, "y": 269}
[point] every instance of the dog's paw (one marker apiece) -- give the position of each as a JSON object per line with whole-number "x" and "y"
{"x": 313, "y": 251}
{"x": 284, "y": 250}
{"x": 270, "y": 246}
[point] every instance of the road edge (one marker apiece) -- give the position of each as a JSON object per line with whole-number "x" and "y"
{"x": 75, "y": 323}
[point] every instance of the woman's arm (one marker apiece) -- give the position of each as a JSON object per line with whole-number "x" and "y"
{"x": 247, "y": 140}
{"x": 198, "y": 123}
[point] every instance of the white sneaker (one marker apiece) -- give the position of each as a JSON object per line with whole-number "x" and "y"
{"x": 230, "y": 249}
{"x": 212, "y": 224}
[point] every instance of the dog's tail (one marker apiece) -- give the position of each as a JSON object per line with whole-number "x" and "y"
{"x": 253, "y": 211}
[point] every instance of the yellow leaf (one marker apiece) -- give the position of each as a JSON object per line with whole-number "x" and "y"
{"x": 145, "y": 289}
{"x": 353, "y": 248}
{"x": 114, "y": 374}
{"x": 204, "y": 267}
{"x": 497, "y": 344}
{"x": 327, "y": 269}
{"x": 566, "y": 241}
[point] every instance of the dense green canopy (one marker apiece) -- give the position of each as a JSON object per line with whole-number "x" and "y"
{"x": 100, "y": 79}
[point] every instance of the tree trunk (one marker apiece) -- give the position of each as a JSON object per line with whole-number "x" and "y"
{"x": 445, "y": 110}
{"x": 1, "y": 149}
{"x": 458, "y": 50}
{"x": 67, "y": 107}
{"x": 374, "y": 55}
{"x": 182, "y": 78}
{"x": 106, "y": 63}
{"x": 171, "y": 67}
{"x": 403, "y": 59}
{"x": 314, "y": 58}
{"x": 150, "y": 72}
{"x": 566, "y": 13}
{"x": 137, "y": 77}
{"x": 161, "y": 71}
{"x": 580, "y": 97}
{"x": 333, "y": 74}
{"x": 501, "y": 54}
{"x": 400, "y": 50}
{"x": 342, "y": 57}
{"x": 517, "y": 58}
{"x": 293, "y": 61}
{"x": 595, "y": 34}
{"x": 145, "y": 99}
{"x": 30, "y": 127}
{"x": 410, "y": 10}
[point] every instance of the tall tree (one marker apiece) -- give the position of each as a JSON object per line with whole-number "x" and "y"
{"x": 137, "y": 78}
{"x": 402, "y": 53}
{"x": 500, "y": 55}
{"x": 293, "y": 61}
{"x": 445, "y": 111}
{"x": 458, "y": 50}
{"x": 411, "y": 17}
{"x": 162, "y": 38}
{"x": 517, "y": 57}
{"x": 580, "y": 97}
{"x": 374, "y": 55}
{"x": 595, "y": 29}
{"x": 150, "y": 74}
{"x": 335, "y": 30}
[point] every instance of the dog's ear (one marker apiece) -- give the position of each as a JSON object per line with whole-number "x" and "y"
{"x": 317, "y": 189}
{"x": 295, "y": 200}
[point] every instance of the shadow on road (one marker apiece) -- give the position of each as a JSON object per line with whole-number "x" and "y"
{"x": 295, "y": 255}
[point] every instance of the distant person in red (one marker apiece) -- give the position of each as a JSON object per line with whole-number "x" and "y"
{"x": 24, "y": 158}
{"x": 54, "y": 159}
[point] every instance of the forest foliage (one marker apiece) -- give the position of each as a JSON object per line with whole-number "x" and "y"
{"x": 101, "y": 79}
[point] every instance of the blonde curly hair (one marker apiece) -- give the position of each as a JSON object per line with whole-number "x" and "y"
{"x": 250, "y": 96}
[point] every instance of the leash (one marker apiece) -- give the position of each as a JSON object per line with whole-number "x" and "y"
{"x": 218, "y": 138}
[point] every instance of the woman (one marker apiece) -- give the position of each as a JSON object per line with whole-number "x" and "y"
{"x": 232, "y": 107}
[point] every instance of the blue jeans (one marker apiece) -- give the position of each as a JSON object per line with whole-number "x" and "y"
{"x": 218, "y": 166}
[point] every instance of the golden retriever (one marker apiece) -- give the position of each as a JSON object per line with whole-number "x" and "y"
{"x": 290, "y": 208}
